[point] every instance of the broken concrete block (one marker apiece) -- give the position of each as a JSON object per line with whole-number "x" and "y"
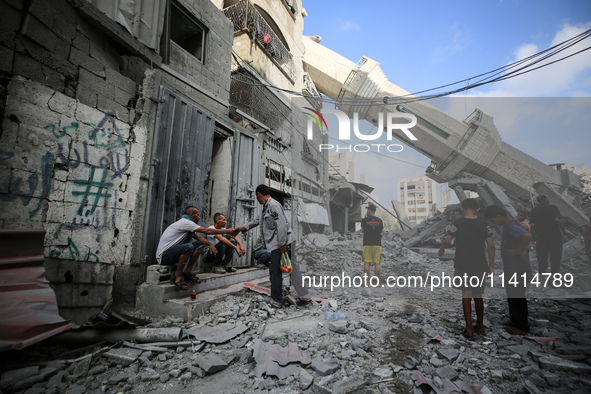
{"x": 322, "y": 386}
{"x": 339, "y": 326}
{"x": 449, "y": 354}
{"x": 519, "y": 349}
{"x": 10, "y": 377}
{"x": 349, "y": 385}
{"x": 383, "y": 373}
{"x": 437, "y": 362}
{"x": 210, "y": 363}
{"x": 81, "y": 367}
{"x": 122, "y": 377}
{"x": 149, "y": 374}
{"x": 324, "y": 368}
{"x": 447, "y": 373}
{"x": 123, "y": 356}
{"x": 553, "y": 363}
{"x": 305, "y": 379}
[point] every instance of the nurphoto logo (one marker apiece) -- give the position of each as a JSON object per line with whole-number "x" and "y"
{"x": 391, "y": 119}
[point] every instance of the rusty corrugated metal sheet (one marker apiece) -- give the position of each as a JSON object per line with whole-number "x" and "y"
{"x": 143, "y": 19}
{"x": 28, "y": 307}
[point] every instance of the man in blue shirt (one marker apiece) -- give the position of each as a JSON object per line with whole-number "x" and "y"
{"x": 514, "y": 245}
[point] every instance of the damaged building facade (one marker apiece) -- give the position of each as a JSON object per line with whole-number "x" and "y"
{"x": 116, "y": 117}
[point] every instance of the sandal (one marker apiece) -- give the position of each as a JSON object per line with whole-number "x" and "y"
{"x": 192, "y": 278}
{"x": 468, "y": 337}
{"x": 181, "y": 285}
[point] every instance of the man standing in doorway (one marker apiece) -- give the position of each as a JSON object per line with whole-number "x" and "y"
{"x": 372, "y": 227}
{"x": 547, "y": 227}
{"x": 276, "y": 232}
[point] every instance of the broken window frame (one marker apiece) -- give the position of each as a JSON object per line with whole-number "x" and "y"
{"x": 173, "y": 7}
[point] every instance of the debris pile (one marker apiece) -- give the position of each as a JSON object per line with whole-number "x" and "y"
{"x": 382, "y": 339}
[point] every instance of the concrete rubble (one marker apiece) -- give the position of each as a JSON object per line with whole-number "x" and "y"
{"x": 393, "y": 339}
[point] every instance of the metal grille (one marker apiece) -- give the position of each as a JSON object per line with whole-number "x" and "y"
{"x": 257, "y": 101}
{"x": 245, "y": 16}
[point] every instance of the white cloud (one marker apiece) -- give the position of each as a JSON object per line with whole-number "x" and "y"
{"x": 349, "y": 26}
{"x": 570, "y": 77}
{"x": 442, "y": 53}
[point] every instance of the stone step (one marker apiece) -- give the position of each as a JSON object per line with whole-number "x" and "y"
{"x": 164, "y": 299}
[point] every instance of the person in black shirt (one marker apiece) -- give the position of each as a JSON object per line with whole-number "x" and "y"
{"x": 546, "y": 226}
{"x": 471, "y": 236}
{"x": 372, "y": 227}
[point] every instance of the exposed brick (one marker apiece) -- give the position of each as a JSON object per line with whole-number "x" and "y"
{"x": 110, "y": 106}
{"x": 87, "y": 80}
{"x": 27, "y": 67}
{"x": 38, "y": 32}
{"x": 122, "y": 97}
{"x": 79, "y": 58}
{"x": 65, "y": 28}
{"x": 10, "y": 18}
{"x": 120, "y": 81}
{"x": 48, "y": 58}
{"x": 81, "y": 42}
{"x": 44, "y": 12}
{"x": 87, "y": 96}
{"x": 6, "y": 58}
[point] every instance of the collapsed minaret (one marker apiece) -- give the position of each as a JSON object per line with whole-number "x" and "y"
{"x": 473, "y": 146}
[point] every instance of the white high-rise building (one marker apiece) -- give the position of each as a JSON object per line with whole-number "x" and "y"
{"x": 418, "y": 195}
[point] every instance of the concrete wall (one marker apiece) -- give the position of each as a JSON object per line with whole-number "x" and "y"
{"x": 78, "y": 104}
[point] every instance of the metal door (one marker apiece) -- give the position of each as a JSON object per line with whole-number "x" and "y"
{"x": 246, "y": 179}
{"x": 181, "y": 162}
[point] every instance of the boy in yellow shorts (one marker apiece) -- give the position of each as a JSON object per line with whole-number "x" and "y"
{"x": 372, "y": 227}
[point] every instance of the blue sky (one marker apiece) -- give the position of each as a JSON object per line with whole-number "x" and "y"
{"x": 425, "y": 44}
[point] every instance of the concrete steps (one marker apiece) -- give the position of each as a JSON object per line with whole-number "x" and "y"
{"x": 164, "y": 299}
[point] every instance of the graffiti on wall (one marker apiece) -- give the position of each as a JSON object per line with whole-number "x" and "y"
{"x": 101, "y": 148}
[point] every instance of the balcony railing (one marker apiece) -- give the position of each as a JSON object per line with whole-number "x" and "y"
{"x": 246, "y": 17}
{"x": 247, "y": 94}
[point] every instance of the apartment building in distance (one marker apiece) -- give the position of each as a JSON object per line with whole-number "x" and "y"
{"x": 418, "y": 195}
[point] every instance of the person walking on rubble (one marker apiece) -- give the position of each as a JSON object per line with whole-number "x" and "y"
{"x": 547, "y": 228}
{"x": 226, "y": 245}
{"x": 516, "y": 265}
{"x": 175, "y": 246}
{"x": 372, "y": 227}
{"x": 471, "y": 235}
{"x": 277, "y": 235}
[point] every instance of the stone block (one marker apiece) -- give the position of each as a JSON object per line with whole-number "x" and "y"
{"x": 81, "y": 42}
{"x": 88, "y": 80}
{"x": 122, "y": 97}
{"x": 84, "y": 60}
{"x": 383, "y": 373}
{"x": 339, "y": 326}
{"x": 62, "y": 104}
{"x": 449, "y": 354}
{"x": 553, "y": 363}
{"x": 110, "y": 106}
{"x": 210, "y": 363}
{"x": 86, "y": 96}
{"x": 6, "y": 58}
{"x": 123, "y": 356}
{"x": 349, "y": 385}
{"x": 120, "y": 81}
{"x": 39, "y": 33}
{"x": 323, "y": 367}
{"x": 305, "y": 379}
